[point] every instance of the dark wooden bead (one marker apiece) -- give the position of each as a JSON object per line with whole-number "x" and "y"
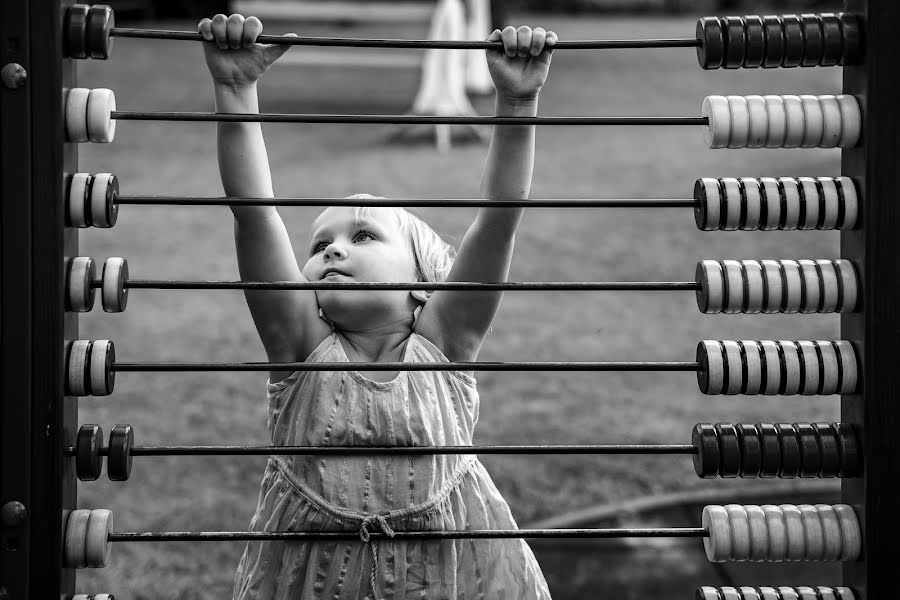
{"x": 100, "y": 22}
{"x": 793, "y": 41}
{"x": 730, "y": 450}
{"x": 814, "y": 43}
{"x": 851, "y": 453}
{"x": 75, "y": 28}
{"x": 706, "y": 443}
{"x": 829, "y": 449}
{"x": 735, "y": 42}
{"x": 751, "y": 450}
{"x": 833, "y": 40}
{"x": 711, "y": 50}
{"x": 790, "y": 451}
{"x": 756, "y": 42}
{"x": 121, "y": 440}
{"x": 88, "y": 462}
{"x": 774, "y": 50}
{"x": 852, "y": 34}
{"x": 810, "y": 454}
{"x": 770, "y": 449}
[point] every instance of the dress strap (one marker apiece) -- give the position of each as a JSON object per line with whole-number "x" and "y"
{"x": 375, "y": 521}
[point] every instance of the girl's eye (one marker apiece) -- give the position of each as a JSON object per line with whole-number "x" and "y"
{"x": 319, "y": 247}
{"x": 362, "y": 235}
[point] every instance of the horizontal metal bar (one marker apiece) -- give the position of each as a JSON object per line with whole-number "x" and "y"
{"x": 604, "y": 286}
{"x": 406, "y": 366}
{"x": 422, "y": 203}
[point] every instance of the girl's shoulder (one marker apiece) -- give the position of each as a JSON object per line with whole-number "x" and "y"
{"x": 424, "y": 350}
{"x": 326, "y": 345}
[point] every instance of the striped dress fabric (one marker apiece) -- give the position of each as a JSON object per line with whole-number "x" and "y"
{"x": 381, "y": 493}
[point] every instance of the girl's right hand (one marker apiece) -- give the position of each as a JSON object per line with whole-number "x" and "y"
{"x": 232, "y": 54}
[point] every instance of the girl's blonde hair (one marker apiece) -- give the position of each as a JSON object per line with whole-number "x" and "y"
{"x": 434, "y": 257}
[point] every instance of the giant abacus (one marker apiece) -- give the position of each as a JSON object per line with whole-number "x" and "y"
{"x": 45, "y": 285}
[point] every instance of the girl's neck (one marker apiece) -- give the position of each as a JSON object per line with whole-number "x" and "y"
{"x": 383, "y": 343}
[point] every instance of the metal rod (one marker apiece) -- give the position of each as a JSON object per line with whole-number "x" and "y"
{"x": 422, "y": 203}
{"x": 222, "y": 536}
{"x": 607, "y": 286}
{"x": 405, "y": 366}
{"x": 163, "y": 34}
{"x": 400, "y": 119}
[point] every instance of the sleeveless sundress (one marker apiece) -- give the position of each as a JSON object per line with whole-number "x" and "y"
{"x": 381, "y": 493}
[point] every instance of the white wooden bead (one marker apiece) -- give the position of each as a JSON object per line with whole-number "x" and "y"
{"x": 810, "y": 384}
{"x": 732, "y": 219}
{"x": 845, "y": 593}
{"x": 753, "y": 205}
{"x": 777, "y": 117}
{"x": 734, "y": 384}
{"x": 80, "y": 293}
{"x": 849, "y": 368}
{"x": 77, "y": 207}
{"x": 97, "y": 544}
{"x": 740, "y": 532}
{"x": 772, "y": 365}
{"x": 734, "y": 286}
{"x": 831, "y": 121}
{"x": 114, "y": 294}
{"x": 851, "y": 202}
{"x": 710, "y": 296}
{"x": 831, "y": 532}
{"x": 807, "y": 593}
{"x": 709, "y": 593}
{"x": 76, "y": 115}
{"x": 715, "y": 520}
{"x": 829, "y": 190}
{"x": 104, "y": 209}
{"x": 826, "y": 593}
{"x": 828, "y": 276}
{"x": 753, "y": 276}
{"x": 791, "y": 189}
{"x": 791, "y": 371}
{"x": 718, "y": 133}
{"x": 849, "y": 285}
{"x": 811, "y": 205}
{"x": 788, "y": 593}
{"x": 750, "y": 350}
{"x": 815, "y": 537}
{"x": 772, "y": 209}
{"x": 759, "y": 533}
{"x": 850, "y": 533}
{"x": 796, "y": 535}
{"x": 792, "y": 280}
{"x": 768, "y": 593}
{"x": 795, "y": 121}
{"x": 813, "y": 119}
{"x": 715, "y": 366}
{"x": 851, "y": 121}
{"x": 101, "y": 127}
{"x": 76, "y": 533}
{"x": 774, "y": 283}
{"x": 714, "y": 203}
{"x": 740, "y": 122}
{"x": 77, "y": 378}
{"x": 759, "y": 122}
{"x": 830, "y": 366}
{"x": 102, "y": 375}
{"x": 749, "y": 593}
{"x": 730, "y": 593}
{"x": 777, "y": 532}
{"x": 809, "y": 299}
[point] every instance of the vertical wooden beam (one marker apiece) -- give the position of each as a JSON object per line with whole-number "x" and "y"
{"x": 38, "y": 421}
{"x": 875, "y": 331}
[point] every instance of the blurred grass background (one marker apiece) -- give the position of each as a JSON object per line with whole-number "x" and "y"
{"x": 210, "y": 493}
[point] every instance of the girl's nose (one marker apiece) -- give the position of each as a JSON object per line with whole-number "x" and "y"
{"x": 334, "y": 251}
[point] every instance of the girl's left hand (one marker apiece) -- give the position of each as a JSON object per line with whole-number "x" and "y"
{"x": 520, "y": 69}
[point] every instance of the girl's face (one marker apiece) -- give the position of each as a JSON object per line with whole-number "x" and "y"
{"x": 373, "y": 249}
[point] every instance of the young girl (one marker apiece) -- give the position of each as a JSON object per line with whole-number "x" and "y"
{"x": 378, "y": 493}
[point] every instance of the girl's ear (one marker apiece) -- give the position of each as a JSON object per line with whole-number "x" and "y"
{"x": 420, "y": 295}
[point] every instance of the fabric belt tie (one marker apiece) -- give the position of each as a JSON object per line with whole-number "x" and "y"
{"x": 375, "y": 522}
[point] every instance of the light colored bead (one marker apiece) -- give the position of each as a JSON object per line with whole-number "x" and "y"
{"x": 777, "y": 532}
{"x": 850, "y": 533}
{"x": 76, "y": 115}
{"x": 791, "y": 371}
{"x": 826, "y": 593}
{"x": 788, "y": 593}
{"x": 815, "y": 536}
{"x": 851, "y": 202}
{"x": 807, "y": 593}
{"x": 753, "y": 206}
{"x": 849, "y": 285}
{"x": 827, "y": 273}
{"x": 80, "y": 293}
{"x": 709, "y": 593}
{"x": 713, "y": 203}
{"x": 832, "y": 201}
{"x": 101, "y": 127}
{"x": 718, "y": 133}
{"x": 740, "y": 532}
{"x": 849, "y": 368}
{"x": 772, "y": 211}
{"x": 830, "y": 366}
{"x": 710, "y": 297}
{"x": 809, "y": 301}
{"x": 740, "y": 122}
{"x": 774, "y": 286}
{"x": 851, "y": 121}
{"x": 759, "y": 122}
{"x": 749, "y": 593}
{"x": 796, "y": 535}
{"x": 810, "y": 203}
{"x": 734, "y": 284}
{"x": 795, "y": 120}
{"x": 76, "y": 533}
{"x": 832, "y": 537}
{"x": 768, "y": 593}
{"x": 718, "y": 545}
{"x": 77, "y": 378}
{"x": 732, "y": 219}
{"x": 97, "y": 544}
{"x": 730, "y": 593}
{"x": 845, "y": 593}
{"x": 810, "y": 384}
{"x": 715, "y": 372}
{"x": 814, "y": 121}
{"x": 104, "y": 209}
{"x": 734, "y": 384}
{"x": 753, "y": 275}
{"x": 77, "y": 205}
{"x": 759, "y": 533}
{"x": 102, "y": 375}
{"x": 750, "y": 350}
{"x": 777, "y": 118}
{"x": 114, "y": 294}
{"x": 772, "y": 365}
{"x": 831, "y": 121}
{"x": 792, "y": 280}
{"x": 791, "y": 189}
